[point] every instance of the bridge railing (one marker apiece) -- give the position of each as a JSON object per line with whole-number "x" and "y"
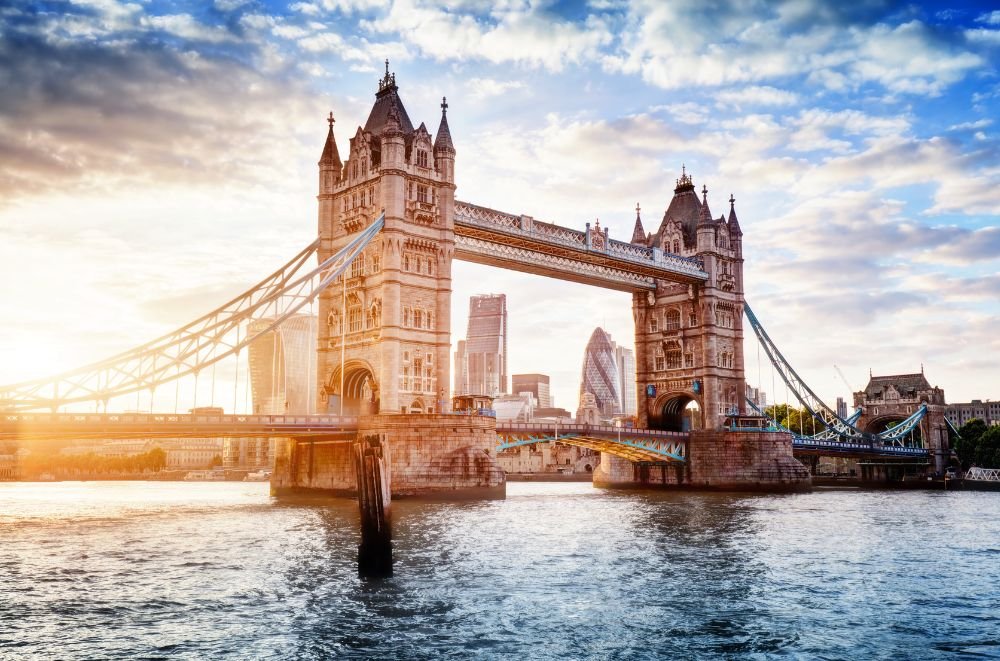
{"x": 124, "y": 419}
{"x": 584, "y": 429}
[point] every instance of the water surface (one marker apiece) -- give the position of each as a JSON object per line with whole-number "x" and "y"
{"x": 557, "y": 570}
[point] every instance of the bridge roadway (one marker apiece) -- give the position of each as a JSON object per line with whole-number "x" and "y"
{"x": 28, "y": 426}
{"x": 640, "y": 445}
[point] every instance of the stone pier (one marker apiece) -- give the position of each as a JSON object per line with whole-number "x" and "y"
{"x": 716, "y": 460}
{"x": 430, "y": 455}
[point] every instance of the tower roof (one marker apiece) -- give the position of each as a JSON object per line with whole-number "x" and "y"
{"x": 442, "y": 141}
{"x": 685, "y": 207}
{"x": 907, "y": 385}
{"x": 330, "y": 154}
{"x": 386, "y": 98}
{"x": 638, "y": 233}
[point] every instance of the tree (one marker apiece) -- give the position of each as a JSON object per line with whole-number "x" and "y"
{"x": 988, "y": 448}
{"x": 967, "y": 444}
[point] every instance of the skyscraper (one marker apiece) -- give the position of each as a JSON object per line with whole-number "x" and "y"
{"x": 600, "y": 374}
{"x": 481, "y": 369}
{"x": 625, "y": 361}
{"x": 281, "y": 366}
{"x": 536, "y": 384}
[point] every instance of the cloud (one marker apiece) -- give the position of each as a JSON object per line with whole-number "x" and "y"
{"x": 990, "y": 18}
{"x": 756, "y": 96}
{"x": 668, "y": 45}
{"x": 522, "y": 35}
{"x": 483, "y": 88}
{"x": 94, "y": 114}
{"x": 186, "y": 27}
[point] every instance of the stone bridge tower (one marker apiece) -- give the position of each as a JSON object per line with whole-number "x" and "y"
{"x": 689, "y": 338}
{"x": 891, "y": 399}
{"x": 384, "y": 329}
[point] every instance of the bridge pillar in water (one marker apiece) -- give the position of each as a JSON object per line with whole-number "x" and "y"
{"x": 689, "y": 337}
{"x": 385, "y": 326}
{"x": 426, "y": 455}
{"x": 716, "y": 460}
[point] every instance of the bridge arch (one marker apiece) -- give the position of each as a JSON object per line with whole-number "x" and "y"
{"x": 677, "y": 411}
{"x": 886, "y": 421}
{"x": 361, "y": 389}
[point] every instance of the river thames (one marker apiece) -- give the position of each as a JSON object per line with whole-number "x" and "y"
{"x": 557, "y": 570}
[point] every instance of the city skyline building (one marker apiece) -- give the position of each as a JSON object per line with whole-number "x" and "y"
{"x": 599, "y": 375}
{"x": 481, "y": 358}
{"x": 984, "y": 409}
{"x": 625, "y": 362}
{"x": 281, "y": 362}
{"x": 538, "y": 385}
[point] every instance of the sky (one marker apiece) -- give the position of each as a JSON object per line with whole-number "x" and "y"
{"x": 157, "y": 158}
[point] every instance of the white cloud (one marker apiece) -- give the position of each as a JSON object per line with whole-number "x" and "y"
{"x": 991, "y": 18}
{"x": 524, "y": 36}
{"x": 483, "y": 88}
{"x": 756, "y": 96}
{"x": 187, "y": 27}
{"x": 966, "y": 126}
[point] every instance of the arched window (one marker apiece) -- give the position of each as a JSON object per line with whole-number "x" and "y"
{"x": 688, "y": 360}
{"x": 673, "y": 355}
{"x": 673, "y": 320}
{"x": 654, "y": 326}
{"x": 658, "y": 364}
{"x": 677, "y": 247}
{"x": 418, "y": 318}
{"x": 353, "y": 314}
{"x": 374, "y": 314}
{"x": 358, "y": 266}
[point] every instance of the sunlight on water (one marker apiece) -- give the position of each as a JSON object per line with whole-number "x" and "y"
{"x": 557, "y": 570}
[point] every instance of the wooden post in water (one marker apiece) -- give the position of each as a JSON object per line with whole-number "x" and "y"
{"x": 375, "y": 550}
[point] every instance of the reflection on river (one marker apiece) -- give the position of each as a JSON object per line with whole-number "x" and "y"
{"x": 561, "y": 570}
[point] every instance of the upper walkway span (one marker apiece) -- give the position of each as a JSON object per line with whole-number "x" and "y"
{"x": 521, "y": 243}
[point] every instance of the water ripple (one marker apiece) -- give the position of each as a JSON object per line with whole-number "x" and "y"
{"x": 120, "y": 570}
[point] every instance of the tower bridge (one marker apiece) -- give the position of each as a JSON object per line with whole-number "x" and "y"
{"x": 389, "y": 229}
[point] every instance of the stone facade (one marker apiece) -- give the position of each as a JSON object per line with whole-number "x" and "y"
{"x": 426, "y": 455}
{"x": 729, "y": 461}
{"x": 386, "y": 324}
{"x": 689, "y": 338}
{"x": 893, "y": 398}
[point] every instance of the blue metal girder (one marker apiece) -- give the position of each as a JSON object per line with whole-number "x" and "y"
{"x": 632, "y": 448}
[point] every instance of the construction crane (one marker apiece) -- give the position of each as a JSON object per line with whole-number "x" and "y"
{"x": 843, "y": 378}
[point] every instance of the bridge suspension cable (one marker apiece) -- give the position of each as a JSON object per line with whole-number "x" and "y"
{"x": 836, "y": 426}
{"x": 198, "y": 344}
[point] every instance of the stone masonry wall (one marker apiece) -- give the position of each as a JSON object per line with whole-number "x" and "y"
{"x": 443, "y": 455}
{"x": 731, "y": 461}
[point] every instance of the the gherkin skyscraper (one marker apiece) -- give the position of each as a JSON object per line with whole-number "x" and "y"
{"x": 600, "y": 373}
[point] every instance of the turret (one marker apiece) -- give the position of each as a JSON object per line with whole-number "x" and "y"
{"x": 444, "y": 150}
{"x": 330, "y": 165}
{"x": 735, "y": 233}
{"x": 705, "y": 229}
{"x": 393, "y": 146}
{"x": 638, "y": 233}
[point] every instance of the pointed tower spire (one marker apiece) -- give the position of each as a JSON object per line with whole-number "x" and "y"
{"x": 706, "y": 215}
{"x": 442, "y": 141}
{"x": 330, "y": 154}
{"x": 734, "y": 224}
{"x": 638, "y": 233}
